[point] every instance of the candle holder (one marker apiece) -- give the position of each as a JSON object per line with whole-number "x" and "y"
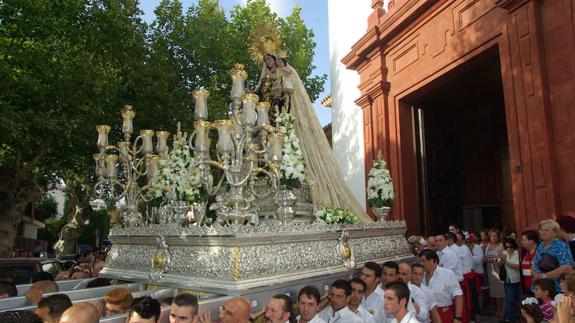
{"x": 120, "y": 166}
{"x": 247, "y": 149}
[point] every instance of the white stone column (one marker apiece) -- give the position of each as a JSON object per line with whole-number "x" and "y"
{"x": 347, "y": 23}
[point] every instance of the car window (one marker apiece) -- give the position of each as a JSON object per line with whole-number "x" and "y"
{"x": 22, "y": 273}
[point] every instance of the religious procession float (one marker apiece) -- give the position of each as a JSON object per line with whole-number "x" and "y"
{"x": 250, "y": 204}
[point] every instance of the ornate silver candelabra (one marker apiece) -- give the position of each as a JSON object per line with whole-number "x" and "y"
{"x": 134, "y": 160}
{"x": 248, "y": 149}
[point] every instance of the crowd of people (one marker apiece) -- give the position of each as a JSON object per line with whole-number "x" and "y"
{"x": 455, "y": 276}
{"x": 529, "y": 277}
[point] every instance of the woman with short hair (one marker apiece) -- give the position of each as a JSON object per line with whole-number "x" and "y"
{"x": 552, "y": 257}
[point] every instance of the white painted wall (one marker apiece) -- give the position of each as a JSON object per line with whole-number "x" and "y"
{"x": 347, "y": 23}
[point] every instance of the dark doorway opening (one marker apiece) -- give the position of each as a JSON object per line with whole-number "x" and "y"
{"x": 462, "y": 149}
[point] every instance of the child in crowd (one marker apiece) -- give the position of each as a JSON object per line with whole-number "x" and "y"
{"x": 530, "y": 310}
{"x": 545, "y": 292}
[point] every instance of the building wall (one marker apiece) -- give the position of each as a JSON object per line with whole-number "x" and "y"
{"x": 419, "y": 41}
{"x": 347, "y": 23}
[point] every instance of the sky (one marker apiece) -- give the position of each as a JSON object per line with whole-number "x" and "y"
{"x": 314, "y": 14}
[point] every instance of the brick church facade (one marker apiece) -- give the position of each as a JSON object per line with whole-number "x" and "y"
{"x": 472, "y": 103}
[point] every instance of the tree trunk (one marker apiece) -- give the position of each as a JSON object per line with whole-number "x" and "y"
{"x": 80, "y": 210}
{"x": 70, "y": 233}
{"x": 15, "y": 195}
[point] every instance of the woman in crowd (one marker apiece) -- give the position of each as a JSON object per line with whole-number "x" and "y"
{"x": 552, "y": 257}
{"x": 511, "y": 278}
{"x": 493, "y": 255}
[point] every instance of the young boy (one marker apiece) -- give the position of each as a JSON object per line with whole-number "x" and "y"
{"x": 544, "y": 292}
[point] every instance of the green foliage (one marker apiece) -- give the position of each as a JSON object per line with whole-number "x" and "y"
{"x": 99, "y": 224}
{"x": 51, "y": 231}
{"x": 69, "y": 65}
{"x": 48, "y": 205}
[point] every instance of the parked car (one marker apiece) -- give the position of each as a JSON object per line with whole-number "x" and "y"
{"x": 24, "y": 268}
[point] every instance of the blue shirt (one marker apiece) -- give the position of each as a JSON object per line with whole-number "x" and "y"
{"x": 558, "y": 249}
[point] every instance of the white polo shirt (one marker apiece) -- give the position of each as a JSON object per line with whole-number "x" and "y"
{"x": 374, "y": 302}
{"x": 364, "y": 314}
{"x": 417, "y": 296}
{"x": 478, "y": 254}
{"x": 408, "y": 318}
{"x": 467, "y": 263}
{"x": 345, "y": 315}
{"x": 450, "y": 260}
{"x": 444, "y": 285}
{"x": 316, "y": 319}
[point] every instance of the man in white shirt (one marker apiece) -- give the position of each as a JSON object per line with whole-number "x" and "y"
{"x": 308, "y": 300}
{"x": 417, "y": 277}
{"x": 373, "y": 298}
{"x": 447, "y": 258}
{"x": 395, "y": 302}
{"x": 416, "y": 303}
{"x": 337, "y": 311}
{"x": 445, "y": 287}
{"x": 278, "y": 309}
{"x": 357, "y": 291}
{"x": 417, "y": 296}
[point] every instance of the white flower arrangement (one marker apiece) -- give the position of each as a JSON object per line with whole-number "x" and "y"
{"x": 379, "y": 185}
{"x": 335, "y": 216}
{"x": 178, "y": 176}
{"x": 293, "y": 163}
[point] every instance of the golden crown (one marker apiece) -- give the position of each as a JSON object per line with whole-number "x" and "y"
{"x": 266, "y": 39}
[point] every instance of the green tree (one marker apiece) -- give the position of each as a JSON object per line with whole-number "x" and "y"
{"x": 69, "y": 65}
{"x": 65, "y": 66}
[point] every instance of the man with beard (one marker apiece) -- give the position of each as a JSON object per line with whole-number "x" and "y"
{"x": 308, "y": 301}
{"x": 373, "y": 297}
{"x": 278, "y": 309}
{"x": 184, "y": 309}
{"x": 445, "y": 286}
{"x": 338, "y": 311}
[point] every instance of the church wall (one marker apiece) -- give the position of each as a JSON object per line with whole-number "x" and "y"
{"x": 348, "y": 123}
{"x": 418, "y": 41}
{"x": 559, "y": 46}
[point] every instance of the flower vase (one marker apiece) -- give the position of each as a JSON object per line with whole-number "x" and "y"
{"x": 381, "y": 213}
{"x": 285, "y": 199}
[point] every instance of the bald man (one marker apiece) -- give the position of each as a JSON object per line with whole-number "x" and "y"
{"x": 81, "y": 312}
{"x": 39, "y": 288}
{"x": 236, "y": 310}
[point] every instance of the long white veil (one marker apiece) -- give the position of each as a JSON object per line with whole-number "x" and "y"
{"x": 328, "y": 189}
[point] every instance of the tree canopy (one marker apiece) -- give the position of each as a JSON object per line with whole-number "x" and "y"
{"x": 69, "y": 65}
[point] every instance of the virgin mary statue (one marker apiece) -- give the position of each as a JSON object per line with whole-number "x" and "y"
{"x": 327, "y": 186}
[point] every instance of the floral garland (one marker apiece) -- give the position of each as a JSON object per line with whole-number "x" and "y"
{"x": 293, "y": 163}
{"x": 335, "y": 216}
{"x": 379, "y": 185}
{"x": 177, "y": 176}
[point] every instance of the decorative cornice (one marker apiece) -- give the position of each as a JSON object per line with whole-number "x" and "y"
{"x": 511, "y": 5}
{"x": 370, "y": 94}
{"x": 360, "y": 49}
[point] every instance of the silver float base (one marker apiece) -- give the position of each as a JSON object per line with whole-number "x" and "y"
{"x": 236, "y": 259}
